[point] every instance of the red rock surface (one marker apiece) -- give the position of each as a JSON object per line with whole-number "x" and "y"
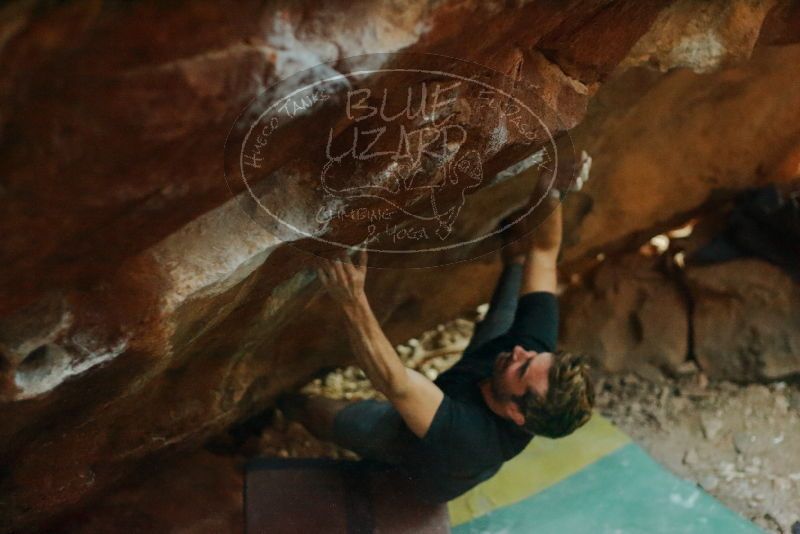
{"x": 142, "y": 311}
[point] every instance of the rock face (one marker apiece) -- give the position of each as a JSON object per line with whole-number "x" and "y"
{"x": 746, "y": 320}
{"x": 702, "y": 35}
{"x": 668, "y": 148}
{"x": 739, "y": 320}
{"x": 199, "y": 493}
{"x": 631, "y": 314}
{"x": 143, "y": 311}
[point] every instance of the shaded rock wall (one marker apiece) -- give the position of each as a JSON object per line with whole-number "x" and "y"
{"x": 746, "y": 320}
{"x": 198, "y": 493}
{"x": 630, "y": 313}
{"x": 738, "y": 320}
{"x": 142, "y": 311}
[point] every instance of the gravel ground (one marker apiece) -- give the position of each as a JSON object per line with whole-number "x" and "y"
{"x": 738, "y": 442}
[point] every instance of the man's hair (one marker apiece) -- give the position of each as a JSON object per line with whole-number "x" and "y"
{"x": 569, "y": 400}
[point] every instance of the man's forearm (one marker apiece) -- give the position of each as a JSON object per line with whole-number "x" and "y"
{"x": 416, "y": 398}
{"x": 375, "y": 354}
{"x": 540, "y": 263}
{"x": 540, "y": 272}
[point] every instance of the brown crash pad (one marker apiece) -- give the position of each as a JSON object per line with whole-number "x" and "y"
{"x": 283, "y": 496}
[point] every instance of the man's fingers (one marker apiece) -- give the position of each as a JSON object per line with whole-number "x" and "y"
{"x": 326, "y": 270}
{"x": 340, "y": 269}
{"x": 323, "y": 276}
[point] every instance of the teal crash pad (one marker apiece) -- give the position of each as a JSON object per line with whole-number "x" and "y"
{"x": 625, "y": 492}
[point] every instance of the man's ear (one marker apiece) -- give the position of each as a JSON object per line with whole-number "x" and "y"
{"x": 515, "y": 414}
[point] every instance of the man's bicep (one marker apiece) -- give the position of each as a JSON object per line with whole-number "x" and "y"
{"x": 418, "y": 403}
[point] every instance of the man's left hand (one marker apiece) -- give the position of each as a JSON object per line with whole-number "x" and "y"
{"x": 546, "y": 238}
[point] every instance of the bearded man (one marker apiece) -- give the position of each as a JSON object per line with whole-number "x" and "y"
{"x": 510, "y": 384}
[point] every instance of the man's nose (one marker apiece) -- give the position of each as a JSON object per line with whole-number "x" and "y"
{"x": 519, "y": 353}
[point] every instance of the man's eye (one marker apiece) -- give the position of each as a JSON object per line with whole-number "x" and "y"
{"x": 524, "y": 368}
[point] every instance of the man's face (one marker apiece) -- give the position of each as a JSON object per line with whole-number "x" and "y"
{"x": 520, "y": 371}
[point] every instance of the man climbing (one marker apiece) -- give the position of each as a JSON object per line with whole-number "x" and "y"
{"x": 452, "y": 433}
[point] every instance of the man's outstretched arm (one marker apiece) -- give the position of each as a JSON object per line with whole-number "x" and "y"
{"x": 414, "y": 396}
{"x": 535, "y": 325}
{"x": 540, "y": 272}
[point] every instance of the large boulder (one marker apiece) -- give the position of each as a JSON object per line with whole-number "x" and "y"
{"x": 746, "y": 318}
{"x": 740, "y": 320}
{"x": 142, "y": 309}
{"x": 629, "y": 314}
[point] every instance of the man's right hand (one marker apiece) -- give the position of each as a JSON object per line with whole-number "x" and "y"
{"x": 539, "y": 231}
{"x": 540, "y": 263}
{"x": 343, "y": 279}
